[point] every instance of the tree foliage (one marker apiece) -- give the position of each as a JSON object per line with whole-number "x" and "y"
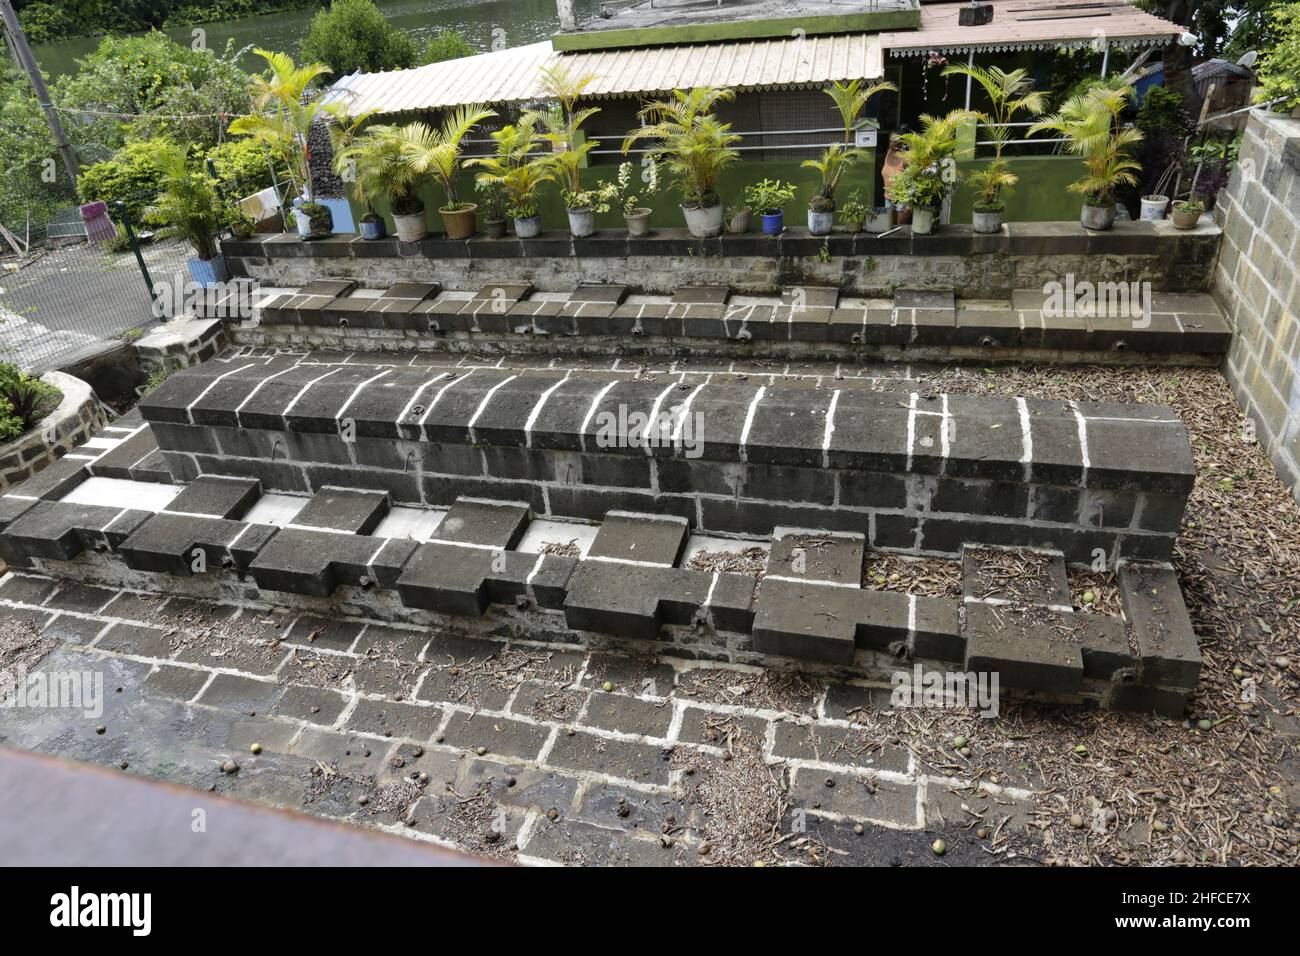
{"x": 446, "y": 45}
{"x": 354, "y": 35}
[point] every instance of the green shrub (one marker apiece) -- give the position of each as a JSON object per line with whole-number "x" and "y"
{"x": 1279, "y": 68}
{"x": 354, "y": 35}
{"x": 24, "y": 398}
{"x": 242, "y": 168}
{"x": 10, "y": 425}
{"x": 446, "y": 45}
{"x": 133, "y": 176}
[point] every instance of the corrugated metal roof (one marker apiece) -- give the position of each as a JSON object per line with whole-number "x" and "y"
{"x": 513, "y": 75}
{"x": 1032, "y": 25}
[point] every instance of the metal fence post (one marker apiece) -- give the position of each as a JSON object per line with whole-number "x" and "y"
{"x": 139, "y": 256}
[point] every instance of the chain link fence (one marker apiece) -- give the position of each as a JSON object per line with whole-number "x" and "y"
{"x": 64, "y": 298}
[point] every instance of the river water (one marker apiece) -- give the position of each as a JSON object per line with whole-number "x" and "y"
{"x": 514, "y": 22}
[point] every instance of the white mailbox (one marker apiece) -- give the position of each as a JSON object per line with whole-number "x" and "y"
{"x": 865, "y": 137}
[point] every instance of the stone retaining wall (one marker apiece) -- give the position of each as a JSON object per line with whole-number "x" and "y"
{"x": 914, "y": 473}
{"x": 1023, "y": 256}
{"x": 1258, "y": 284}
{"x": 78, "y": 416}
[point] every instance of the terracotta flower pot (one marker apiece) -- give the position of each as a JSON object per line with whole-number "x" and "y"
{"x": 459, "y": 223}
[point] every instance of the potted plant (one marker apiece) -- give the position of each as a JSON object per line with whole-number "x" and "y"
{"x": 769, "y": 197}
{"x": 377, "y": 167}
{"x": 850, "y": 100}
{"x": 286, "y": 105}
{"x": 241, "y": 225}
{"x": 563, "y": 123}
{"x": 320, "y": 221}
{"x": 492, "y": 203}
{"x": 188, "y": 207}
{"x": 583, "y": 207}
{"x": 880, "y": 219}
{"x": 1187, "y": 213}
{"x": 1089, "y": 122}
{"x": 519, "y": 172}
{"x": 737, "y": 219}
{"x": 437, "y": 152}
{"x": 372, "y": 163}
{"x": 853, "y": 212}
{"x": 636, "y": 215}
{"x": 989, "y": 184}
{"x": 696, "y": 149}
{"x": 1008, "y": 94}
{"x": 931, "y": 170}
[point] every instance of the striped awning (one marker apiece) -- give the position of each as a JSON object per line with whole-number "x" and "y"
{"x": 512, "y": 76}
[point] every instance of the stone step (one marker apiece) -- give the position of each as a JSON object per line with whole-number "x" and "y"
{"x": 1116, "y": 323}
{"x": 913, "y": 472}
{"x": 812, "y": 600}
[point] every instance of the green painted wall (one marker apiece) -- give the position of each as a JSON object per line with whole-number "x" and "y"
{"x": 665, "y": 203}
{"x": 1041, "y": 195}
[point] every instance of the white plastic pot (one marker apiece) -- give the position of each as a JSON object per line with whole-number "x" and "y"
{"x": 529, "y": 228}
{"x": 412, "y": 227}
{"x": 987, "y": 222}
{"x": 582, "y": 222}
{"x": 922, "y": 220}
{"x": 820, "y": 223}
{"x": 1153, "y": 207}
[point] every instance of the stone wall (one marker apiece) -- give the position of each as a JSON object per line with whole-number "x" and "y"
{"x": 1023, "y": 256}
{"x": 1257, "y": 283}
{"x": 921, "y": 474}
{"x": 78, "y": 416}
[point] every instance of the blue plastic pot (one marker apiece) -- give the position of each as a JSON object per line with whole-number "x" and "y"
{"x": 373, "y": 230}
{"x": 774, "y": 223}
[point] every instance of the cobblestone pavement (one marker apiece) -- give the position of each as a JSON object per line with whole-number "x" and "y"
{"x": 541, "y": 754}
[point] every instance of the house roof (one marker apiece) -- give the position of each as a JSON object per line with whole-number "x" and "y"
{"x": 1032, "y": 25}
{"x": 514, "y": 75}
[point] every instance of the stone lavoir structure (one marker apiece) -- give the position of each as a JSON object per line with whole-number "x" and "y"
{"x": 488, "y": 500}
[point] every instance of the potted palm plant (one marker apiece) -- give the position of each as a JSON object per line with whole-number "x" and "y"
{"x": 378, "y": 167}
{"x": 372, "y": 162}
{"x": 437, "y": 151}
{"x": 1089, "y": 122}
{"x": 770, "y": 197}
{"x": 631, "y": 196}
{"x": 519, "y": 172}
{"x": 286, "y": 104}
{"x": 188, "y": 206}
{"x": 563, "y": 123}
{"x": 931, "y": 170}
{"x": 1009, "y": 94}
{"x": 695, "y": 147}
{"x": 850, "y": 100}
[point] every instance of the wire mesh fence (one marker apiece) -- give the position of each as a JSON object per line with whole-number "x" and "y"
{"x": 68, "y": 298}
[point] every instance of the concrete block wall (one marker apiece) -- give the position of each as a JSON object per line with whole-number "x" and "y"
{"x": 914, "y": 473}
{"x": 1257, "y": 283}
